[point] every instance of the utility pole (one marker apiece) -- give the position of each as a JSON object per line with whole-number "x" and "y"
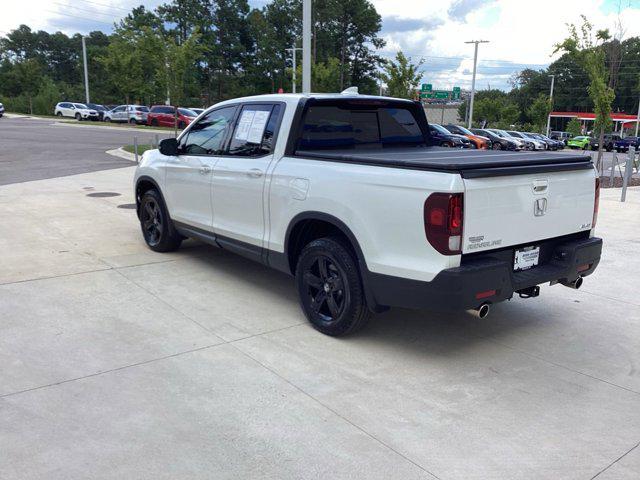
{"x": 553, "y": 79}
{"x": 638, "y": 118}
{"x": 473, "y": 78}
{"x": 86, "y": 71}
{"x": 293, "y": 51}
{"x": 306, "y": 46}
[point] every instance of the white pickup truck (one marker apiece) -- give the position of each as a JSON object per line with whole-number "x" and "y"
{"x": 346, "y": 193}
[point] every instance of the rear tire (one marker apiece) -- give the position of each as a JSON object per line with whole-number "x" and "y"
{"x": 59, "y": 114}
{"x": 329, "y": 287}
{"x": 158, "y": 230}
{"x": 78, "y": 117}
{"x": 107, "y": 119}
{"x": 154, "y": 122}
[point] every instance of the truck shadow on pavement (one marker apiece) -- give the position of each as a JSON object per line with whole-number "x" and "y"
{"x": 448, "y": 333}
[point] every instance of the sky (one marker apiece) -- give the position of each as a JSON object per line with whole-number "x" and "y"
{"x": 521, "y": 34}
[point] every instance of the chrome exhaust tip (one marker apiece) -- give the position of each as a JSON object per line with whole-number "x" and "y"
{"x": 576, "y": 284}
{"x": 481, "y": 312}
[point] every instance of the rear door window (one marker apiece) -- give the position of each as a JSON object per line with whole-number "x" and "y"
{"x": 255, "y": 129}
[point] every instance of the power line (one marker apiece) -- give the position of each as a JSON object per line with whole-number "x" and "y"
{"x": 84, "y": 10}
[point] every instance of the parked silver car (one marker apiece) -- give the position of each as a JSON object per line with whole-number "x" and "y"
{"x": 127, "y": 113}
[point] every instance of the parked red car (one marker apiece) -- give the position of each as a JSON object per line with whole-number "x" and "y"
{"x": 164, "y": 116}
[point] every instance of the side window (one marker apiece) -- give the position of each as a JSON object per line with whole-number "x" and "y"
{"x": 119, "y": 109}
{"x": 255, "y": 130}
{"x": 206, "y": 136}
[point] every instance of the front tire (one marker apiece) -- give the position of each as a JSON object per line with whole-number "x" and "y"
{"x": 497, "y": 146}
{"x": 78, "y": 117}
{"x": 329, "y": 287}
{"x": 158, "y": 230}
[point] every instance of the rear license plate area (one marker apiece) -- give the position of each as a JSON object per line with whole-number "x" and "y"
{"x": 525, "y": 258}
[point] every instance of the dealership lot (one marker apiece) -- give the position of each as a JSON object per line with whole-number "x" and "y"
{"x": 121, "y": 362}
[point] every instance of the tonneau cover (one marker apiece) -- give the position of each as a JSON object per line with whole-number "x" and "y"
{"x": 469, "y": 163}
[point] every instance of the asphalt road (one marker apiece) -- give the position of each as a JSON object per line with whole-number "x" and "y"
{"x": 34, "y": 149}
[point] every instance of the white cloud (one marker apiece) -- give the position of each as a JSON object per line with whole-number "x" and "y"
{"x": 519, "y": 33}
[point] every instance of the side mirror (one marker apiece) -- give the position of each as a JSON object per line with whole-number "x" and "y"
{"x": 169, "y": 147}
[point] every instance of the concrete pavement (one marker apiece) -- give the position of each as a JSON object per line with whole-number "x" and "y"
{"x": 118, "y": 362}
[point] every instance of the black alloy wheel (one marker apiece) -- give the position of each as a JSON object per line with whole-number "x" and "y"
{"x": 157, "y": 228}
{"x": 330, "y": 289}
{"x": 151, "y": 222}
{"x": 497, "y": 146}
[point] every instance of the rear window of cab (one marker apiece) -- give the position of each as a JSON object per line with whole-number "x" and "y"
{"x": 360, "y": 125}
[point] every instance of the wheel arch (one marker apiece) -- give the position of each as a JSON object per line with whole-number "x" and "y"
{"x": 143, "y": 184}
{"x": 309, "y": 225}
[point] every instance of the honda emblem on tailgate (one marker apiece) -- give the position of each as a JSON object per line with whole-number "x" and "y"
{"x": 540, "y": 207}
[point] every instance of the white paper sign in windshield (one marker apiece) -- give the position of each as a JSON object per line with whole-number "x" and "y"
{"x": 244, "y": 125}
{"x": 257, "y": 126}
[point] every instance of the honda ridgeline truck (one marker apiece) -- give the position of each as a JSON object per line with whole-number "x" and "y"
{"x": 346, "y": 193}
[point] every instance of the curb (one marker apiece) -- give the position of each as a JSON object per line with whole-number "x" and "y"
{"x": 122, "y": 153}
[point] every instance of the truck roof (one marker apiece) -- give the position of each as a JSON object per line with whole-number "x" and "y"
{"x": 295, "y": 97}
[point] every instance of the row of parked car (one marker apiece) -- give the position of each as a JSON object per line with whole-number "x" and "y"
{"x": 611, "y": 142}
{"x": 157, "y": 115}
{"x": 457, "y": 136}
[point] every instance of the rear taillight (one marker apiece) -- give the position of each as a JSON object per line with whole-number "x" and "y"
{"x": 443, "y": 213}
{"x": 596, "y": 203}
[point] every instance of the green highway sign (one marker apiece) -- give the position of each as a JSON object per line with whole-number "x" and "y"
{"x": 427, "y": 91}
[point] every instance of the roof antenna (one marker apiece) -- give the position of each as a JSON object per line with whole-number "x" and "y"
{"x": 350, "y": 91}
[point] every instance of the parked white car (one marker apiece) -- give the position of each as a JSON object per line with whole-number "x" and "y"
{"x": 127, "y": 113}
{"x": 79, "y": 111}
{"x": 343, "y": 192}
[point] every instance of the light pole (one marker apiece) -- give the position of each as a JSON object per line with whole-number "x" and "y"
{"x": 306, "y": 46}
{"x": 553, "y": 79}
{"x": 473, "y": 78}
{"x": 293, "y": 51}
{"x": 86, "y": 71}
{"x": 637, "y": 118}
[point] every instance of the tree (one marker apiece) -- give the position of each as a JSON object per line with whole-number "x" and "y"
{"x": 28, "y": 75}
{"x": 539, "y": 111}
{"x": 574, "y": 127}
{"x": 402, "y": 76}
{"x": 590, "y": 54}
{"x": 179, "y": 62}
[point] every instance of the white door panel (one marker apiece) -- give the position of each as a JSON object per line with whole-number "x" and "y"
{"x": 238, "y": 186}
{"x": 188, "y": 189}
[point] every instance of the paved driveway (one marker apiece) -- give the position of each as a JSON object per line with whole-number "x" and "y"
{"x": 35, "y": 149}
{"x": 118, "y": 362}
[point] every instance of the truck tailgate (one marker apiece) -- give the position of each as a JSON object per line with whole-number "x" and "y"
{"x": 520, "y": 209}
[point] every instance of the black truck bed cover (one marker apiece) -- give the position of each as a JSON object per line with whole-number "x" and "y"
{"x": 468, "y": 163}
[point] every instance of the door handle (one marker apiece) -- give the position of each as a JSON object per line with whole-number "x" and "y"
{"x": 255, "y": 173}
{"x": 205, "y": 169}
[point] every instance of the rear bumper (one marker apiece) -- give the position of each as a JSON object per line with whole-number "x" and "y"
{"x": 457, "y": 288}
